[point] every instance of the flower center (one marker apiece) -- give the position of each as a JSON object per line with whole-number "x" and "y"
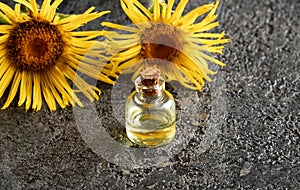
{"x": 161, "y": 41}
{"x": 35, "y": 45}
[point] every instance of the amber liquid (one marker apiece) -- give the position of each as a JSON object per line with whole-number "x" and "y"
{"x": 153, "y": 129}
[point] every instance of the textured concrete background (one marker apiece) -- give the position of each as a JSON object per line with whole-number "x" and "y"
{"x": 256, "y": 109}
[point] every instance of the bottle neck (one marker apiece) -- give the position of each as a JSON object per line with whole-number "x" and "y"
{"x": 150, "y": 93}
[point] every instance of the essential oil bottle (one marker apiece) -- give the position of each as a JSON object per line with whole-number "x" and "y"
{"x": 150, "y": 110}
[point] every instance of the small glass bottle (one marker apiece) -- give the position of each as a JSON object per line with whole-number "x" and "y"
{"x": 150, "y": 110}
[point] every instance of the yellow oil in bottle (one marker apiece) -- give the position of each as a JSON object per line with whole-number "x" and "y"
{"x": 152, "y": 129}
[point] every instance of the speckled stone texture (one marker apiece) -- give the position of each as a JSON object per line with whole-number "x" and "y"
{"x": 254, "y": 103}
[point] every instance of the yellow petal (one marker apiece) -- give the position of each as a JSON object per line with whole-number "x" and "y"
{"x": 34, "y": 8}
{"x": 207, "y": 20}
{"x": 156, "y": 11}
{"x": 128, "y": 63}
{"x": 75, "y": 21}
{"x": 121, "y": 27}
{"x": 9, "y": 14}
{"x": 37, "y": 95}
{"x": 209, "y": 35}
{"x": 4, "y": 66}
{"x": 52, "y": 10}
{"x": 123, "y": 56}
{"x": 5, "y": 80}
{"x": 178, "y": 11}
{"x": 133, "y": 13}
{"x": 169, "y": 9}
{"x": 190, "y": 17}
{"x": 28, "y": 89}
{"x": 145, "y": 11}
{"x": 48, "y": 96}
{"x": 23, "y": 88}
{"x": 5, "y": 29}
{"x": 201, "y": 28}
{"x": 18, "y": 13}
{"x": 13, "y": 90}
{"x": 25, "y": 3}
{"x": 51, "y": 86}
{"x": 44, "y": 11}
{"x": 212, "y": 59}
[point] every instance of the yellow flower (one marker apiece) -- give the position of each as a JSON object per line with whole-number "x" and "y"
{"x": 40, "y": 54}
{"x": 176, "y": 44}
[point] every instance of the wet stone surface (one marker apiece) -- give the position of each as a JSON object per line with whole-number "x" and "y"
{"x": 241, "y": 132}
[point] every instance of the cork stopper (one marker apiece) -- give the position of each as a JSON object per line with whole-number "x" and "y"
{"x": 149, "y": 78}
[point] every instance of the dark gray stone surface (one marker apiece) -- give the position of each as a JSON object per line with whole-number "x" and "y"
{"x": 251, "y": 112}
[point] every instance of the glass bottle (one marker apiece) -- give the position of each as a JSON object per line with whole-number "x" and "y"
{"x": 150, "y": 110}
